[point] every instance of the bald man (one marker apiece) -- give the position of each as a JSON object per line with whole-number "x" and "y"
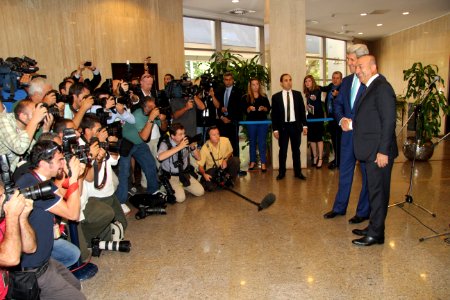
{"x": 374, "y": 144}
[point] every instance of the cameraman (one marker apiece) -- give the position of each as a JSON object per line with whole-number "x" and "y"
{"x": 18, "y": 129}
{"x": 16, "y": 234}
{"x": 111, "y": 108}
{"x": 184, "y": 109}
{"x": 47, "y": 162}
{"x": 175, "y": 163}
{"x": 217, "y": 153}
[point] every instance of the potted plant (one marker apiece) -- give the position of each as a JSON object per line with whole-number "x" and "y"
{"x": 429, "y": 104}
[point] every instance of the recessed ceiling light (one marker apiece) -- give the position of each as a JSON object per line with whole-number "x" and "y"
{"x": 405, "y": 13}
{"x": 363, "y": 14}
{"x": 235, "y": 1}
{"x": 379, "y": 24}
{"x": 360, "y": 33}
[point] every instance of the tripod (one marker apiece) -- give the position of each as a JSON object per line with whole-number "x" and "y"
{"x": 408, "y": 197}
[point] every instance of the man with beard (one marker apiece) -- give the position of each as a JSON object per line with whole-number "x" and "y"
{"x": 47, "y": 162}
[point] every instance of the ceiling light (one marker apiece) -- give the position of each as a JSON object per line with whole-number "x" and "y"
{"x": 363, "y": 14}
{"x": 405, "y": 13}
{"x": 379, "y": 24}
{"x": 235, "y": 1}
{"x": 360, "y": 33}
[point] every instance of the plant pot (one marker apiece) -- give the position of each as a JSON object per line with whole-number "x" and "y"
{"x": 423, "y": 151}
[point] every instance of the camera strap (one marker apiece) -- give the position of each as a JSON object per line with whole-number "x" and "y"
{"x": 105, "y": 175}
{"x": 212, "y": 155}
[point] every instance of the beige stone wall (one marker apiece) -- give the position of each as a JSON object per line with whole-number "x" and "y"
{"x": 59, "y": 33}
{"x": 428, "y": 43}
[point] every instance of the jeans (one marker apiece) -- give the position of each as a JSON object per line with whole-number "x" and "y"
{"x": 257, "y": 132}
{"x": 143, "y": 156}
{"x": 65, "y": 252}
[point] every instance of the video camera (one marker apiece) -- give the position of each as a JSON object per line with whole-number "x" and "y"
{"x": 40, "y": 191}
{"x": 222, "y": 178}
{"x": 182, "y": 87}
{"x": 12, "y": 69}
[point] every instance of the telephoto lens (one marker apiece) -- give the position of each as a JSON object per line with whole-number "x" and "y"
{"x": 40, "y": 191}
{"x": 98, "y": 246}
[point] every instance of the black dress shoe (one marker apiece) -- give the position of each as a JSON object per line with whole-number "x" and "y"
{"x": 368, "y": 241}
{"x": 357, "y": 220}
{"x": 331, "y": 214}
{"x": 300, "y": 176}
{"x": 280, "y": 176}
{"x": 242, "y": 173}
{"x": 360, "y": 232}
{"x": 332, "y": 165}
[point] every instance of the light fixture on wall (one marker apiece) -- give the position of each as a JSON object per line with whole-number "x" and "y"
{"x": 405, "y": 13}
{"x": 379, "y": 25}
{"x": 363, "y": 14}
{"x": 235, "y": 1}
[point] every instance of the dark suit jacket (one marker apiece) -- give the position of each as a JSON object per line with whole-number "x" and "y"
{"x": 236, "y": 106}
{"x": 374, "y": 122}
{"x": 278, "y": 110}
{"x": 342, "y": 106}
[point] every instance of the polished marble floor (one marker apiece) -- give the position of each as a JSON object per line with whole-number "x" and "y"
{"x": 220, "y": 247}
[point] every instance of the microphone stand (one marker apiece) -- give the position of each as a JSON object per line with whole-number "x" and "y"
{"x": 408, "y": 197}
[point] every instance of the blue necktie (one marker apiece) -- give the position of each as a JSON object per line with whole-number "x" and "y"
{"x": 353, "y": 91}
{"x": 226, "y": 99}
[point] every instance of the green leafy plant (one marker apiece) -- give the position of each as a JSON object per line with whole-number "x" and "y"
{"x": 427, "y": 95}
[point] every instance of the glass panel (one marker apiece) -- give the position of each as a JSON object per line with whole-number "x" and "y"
{"x": 336, "y": 65}
{"x": 314, "y": 67}
{"x": 240, "y": 37}
{"x": 314, "y": 46}
{"x": 335, "y": 49}
{"x": 196, "y": 62}
{"x": 198, "y": 33}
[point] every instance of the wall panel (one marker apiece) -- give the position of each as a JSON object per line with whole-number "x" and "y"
{"x": 60, "y": 34}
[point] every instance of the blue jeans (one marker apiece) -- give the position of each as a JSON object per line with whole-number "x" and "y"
{"x": 145, "y": 159}
{"x": 65, "y": 252}
{"x": 257, "y": 132}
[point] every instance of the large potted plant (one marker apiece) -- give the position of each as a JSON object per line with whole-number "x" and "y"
{"x": 429, "y": 103}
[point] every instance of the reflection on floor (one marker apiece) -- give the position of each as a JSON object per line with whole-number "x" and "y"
{"x": 220, "y": 247}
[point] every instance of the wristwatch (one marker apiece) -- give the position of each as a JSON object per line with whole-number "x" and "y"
{"x": 150, "y": 121}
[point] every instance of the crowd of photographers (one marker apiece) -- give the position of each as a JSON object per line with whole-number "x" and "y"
{"x": 74, "y": 151}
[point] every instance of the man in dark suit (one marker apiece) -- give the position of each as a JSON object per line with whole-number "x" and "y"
{"x": 230, "y": 107}
{"x": 344, "y": 114}
{"x": 288, "y": 122}
{"x": 375, "y": 144}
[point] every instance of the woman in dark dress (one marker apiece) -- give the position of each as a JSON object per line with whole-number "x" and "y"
{"x": 315, "y": 111}
{"x": 258, "y": 108}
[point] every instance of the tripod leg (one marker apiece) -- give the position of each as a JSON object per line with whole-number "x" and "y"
{"x": 433, "y": 236}
{"x": 424, "y": 209}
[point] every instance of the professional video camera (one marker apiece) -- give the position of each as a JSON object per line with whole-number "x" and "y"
{"x": 12, "y": 69}
{"x": 72, "y": 148}
{"x": 40, "y": 191}
{"x": 98, "y": 246}
{"x": 182, "y": 87}
{"x": 222, "y": 178}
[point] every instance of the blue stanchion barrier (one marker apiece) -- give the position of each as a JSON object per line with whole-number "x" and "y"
{"x": 270, "y": 122}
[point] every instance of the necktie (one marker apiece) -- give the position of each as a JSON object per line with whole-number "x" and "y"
{"x": 353, "y": 91}
{"x": 226, "y": 99}
{"x": 288, "y": 107}
{"x": 361, "y": 90}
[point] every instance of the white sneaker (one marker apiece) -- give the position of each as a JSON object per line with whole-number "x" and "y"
{"x": 125, "y": 208}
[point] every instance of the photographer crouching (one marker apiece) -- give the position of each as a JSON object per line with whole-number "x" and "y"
{"x": 216, "y": 156}
{"x": 173, "y": 153}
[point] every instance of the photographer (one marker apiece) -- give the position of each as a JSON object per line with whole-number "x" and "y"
{"x": 47, "y": 162}
{"x": 102, "y": 207}
{"x": 134, "y": 145}
{"x": 16, "y": 234}
{"x": 217, "y": 153}
{"x": 173, "y": 153}
{"x": 184, "y": 108}
{"x": 81, "y": 102}
{"x": 18, "y": 129}
{"x": 110, "y": 108}
{"x": 77, "y": 75}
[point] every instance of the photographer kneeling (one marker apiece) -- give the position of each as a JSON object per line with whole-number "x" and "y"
{"x": 217, "y": 157}
{"x": 175, "y": 163}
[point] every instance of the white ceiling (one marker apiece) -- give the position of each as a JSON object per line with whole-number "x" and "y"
{"x": 336, "y": 18}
